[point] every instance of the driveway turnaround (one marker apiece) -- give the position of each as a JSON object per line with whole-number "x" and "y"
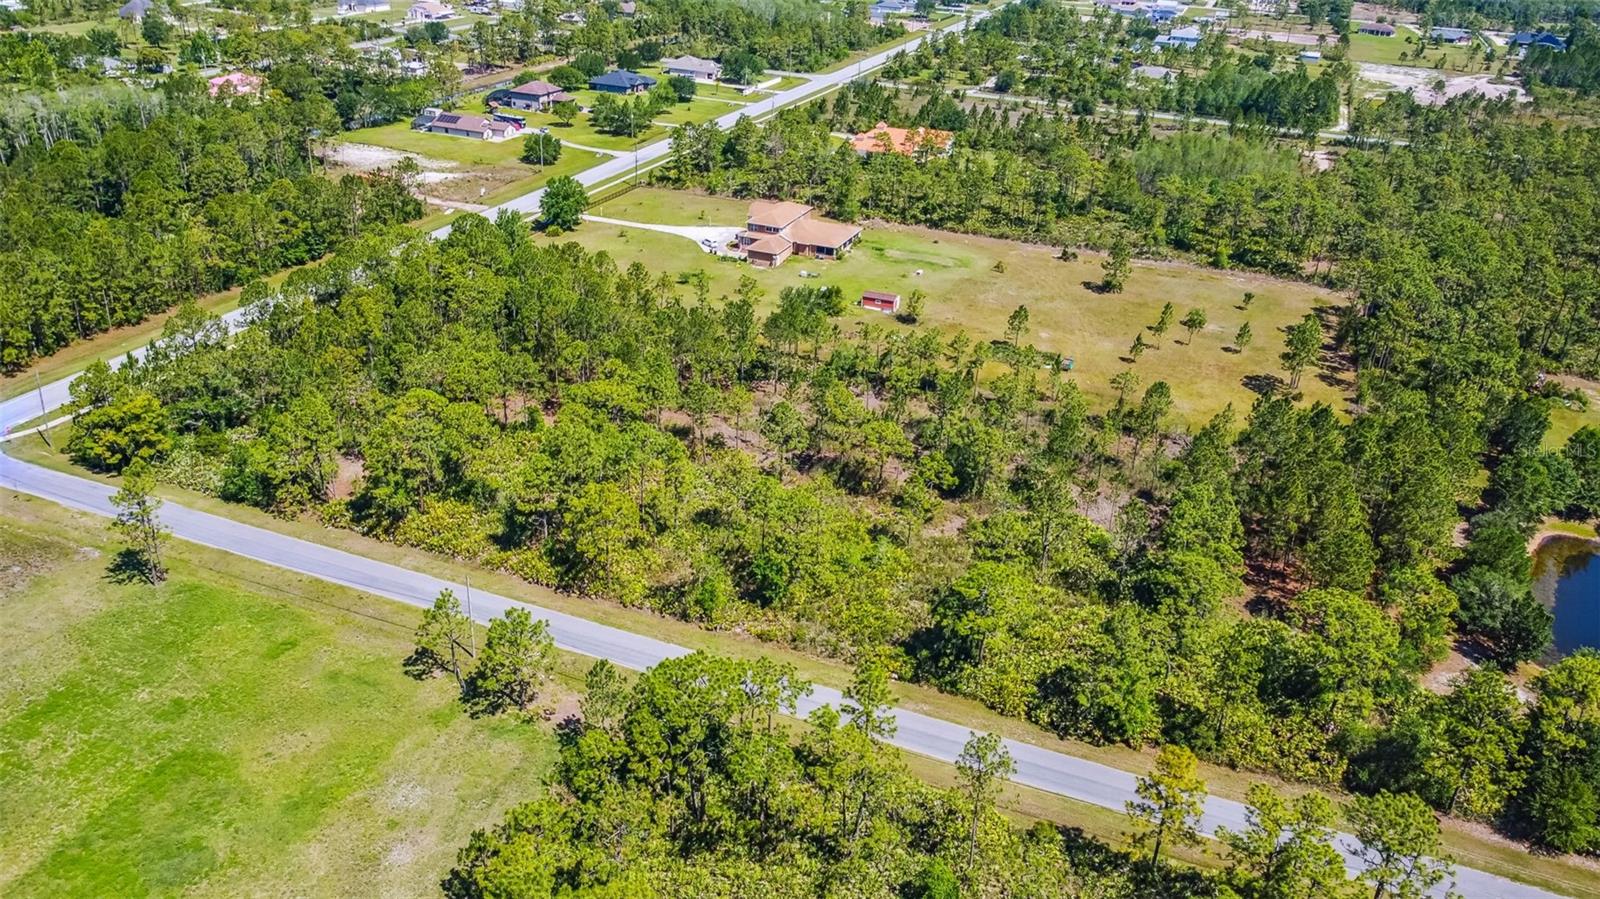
{"x": 1037, "y": 767}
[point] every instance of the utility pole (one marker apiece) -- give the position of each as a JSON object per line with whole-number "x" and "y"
{"x": 39, "y": 386}
{"x": 472, "y": 625}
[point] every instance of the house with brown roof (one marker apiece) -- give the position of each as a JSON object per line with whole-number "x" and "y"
{"x": 778, "y": 229}
{"x": 906, "y": 141}
{"x": 460, "y": 124}
{"x": 532, "y": 95}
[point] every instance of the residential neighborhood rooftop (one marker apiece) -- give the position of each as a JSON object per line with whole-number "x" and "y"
{"x": 905, "y": 141}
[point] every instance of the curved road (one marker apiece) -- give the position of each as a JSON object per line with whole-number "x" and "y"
{"x": 1040, "y": 768}
{"x": 1037, "y": 767}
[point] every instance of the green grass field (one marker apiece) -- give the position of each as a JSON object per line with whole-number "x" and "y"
{"x": 465, "y": 150}
{"x": 1387, "y": 50}
{"x": 966, "y": 292}
{"x": 244, "y": 733}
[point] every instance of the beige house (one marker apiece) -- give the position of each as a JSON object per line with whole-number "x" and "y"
{"x": 778, "y": 229}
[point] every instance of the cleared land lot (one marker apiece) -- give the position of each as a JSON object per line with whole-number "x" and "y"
{"x": 965, "y": 291}
{"x": 237, "y": 734}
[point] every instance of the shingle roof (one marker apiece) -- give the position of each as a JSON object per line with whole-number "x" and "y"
{"x": 818, "y": 233}
{"x": 535, "y": 89}
{"x": 692, "y": 64}
{"x": 776, "y": 213}
{"x": 622, "y": 78}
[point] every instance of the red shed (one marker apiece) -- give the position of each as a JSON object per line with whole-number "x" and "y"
{"x": 881, "y": 301}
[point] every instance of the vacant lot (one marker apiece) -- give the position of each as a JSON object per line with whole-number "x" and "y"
{"x": 966, "y": 291}
{"x": 1375, "y": 49}
{"x": 245, "y": 734}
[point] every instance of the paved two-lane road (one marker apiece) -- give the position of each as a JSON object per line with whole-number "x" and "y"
{"x": 1037, "y": 767}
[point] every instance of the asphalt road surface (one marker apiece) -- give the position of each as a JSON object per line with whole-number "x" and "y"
{"x": 1044, "y": 769}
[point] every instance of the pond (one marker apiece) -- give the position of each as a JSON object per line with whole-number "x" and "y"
{"x": 1566, "y": 575}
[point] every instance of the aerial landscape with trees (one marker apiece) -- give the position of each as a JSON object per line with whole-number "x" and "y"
{"x": 1284, "y": 544}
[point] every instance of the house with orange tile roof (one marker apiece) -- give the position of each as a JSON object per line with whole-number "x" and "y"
{"x": 777, "y": 229}
{"x": 906, "y": 141}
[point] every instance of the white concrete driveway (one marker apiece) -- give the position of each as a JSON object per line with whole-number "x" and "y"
{"x": 719, "y": 236}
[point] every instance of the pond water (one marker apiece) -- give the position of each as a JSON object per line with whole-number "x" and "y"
{"x": 1566, "y": 574}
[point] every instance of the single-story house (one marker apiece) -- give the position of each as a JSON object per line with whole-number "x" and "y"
{"x": 880, "y": 300}
{"x": 534, "y": 95}
{"x": 358, "y": 7}
{"x": 1164, "y": 10}
{"x": 692, "y": 67}
{"x": 429, "y": 11}
{"x": 1186, "y": 38}
{"x": 1380, "y": 29}
{"x": 906, "y": 141}
{"x": 1311, "y": 56}
{"x": 572, "y": 17}
{"x": 621, "y": 81}
{"x": 1450, "y": 35}
{"x": 883, "y": 9}
{"x": 460, "y": 124}
{"x": 1158, "y": 73}
{"x": 135, "y": 10}
{"x": 239, "y": 83}
{"x": 1123, "y": 7}
{"x": 628, "y": 9}
{"x": 1528, "y": 39}
{"x": 777, "y": 229}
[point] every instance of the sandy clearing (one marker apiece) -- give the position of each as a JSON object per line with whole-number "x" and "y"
{"x": 1422, "y": 84}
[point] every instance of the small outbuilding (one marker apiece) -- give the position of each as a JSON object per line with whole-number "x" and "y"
{"x": 880, "y": 301}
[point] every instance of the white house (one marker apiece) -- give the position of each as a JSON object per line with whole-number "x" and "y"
{"x": 1185, "y": 38}
{"x": 692, "y": 67}
{"x": 429, "y": 11}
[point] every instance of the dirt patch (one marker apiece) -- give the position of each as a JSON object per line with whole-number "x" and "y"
{"x": 345, "y": 479}
{"x": 1437, "y": 679}
{"x": 25, "y": 557}
{"x": 1425, "y": 84}
{"x": 367, "y": 158}
{"x": 398, "y": 796}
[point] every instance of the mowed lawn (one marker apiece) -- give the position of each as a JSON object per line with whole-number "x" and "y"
{"x": 244, "y": 734}
{"x": 1376, "y": 49}
{"x": 465, "y": 150}
{"x": 965, "y": 291}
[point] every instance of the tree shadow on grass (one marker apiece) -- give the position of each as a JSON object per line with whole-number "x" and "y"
{"x": 1232, "y": 350}
{"x": 1094, "y": 287}
{"x": 128, "y": 567}
{"x": 1262, "y": 384}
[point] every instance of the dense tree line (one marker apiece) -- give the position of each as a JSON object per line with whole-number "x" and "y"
{"x": 785, "y": 34}
{"x": 1045, "y": 51}
{"x": 106, "y": 220}
{"x": 738, "y": 461}
{"x": 681, "y": 784}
